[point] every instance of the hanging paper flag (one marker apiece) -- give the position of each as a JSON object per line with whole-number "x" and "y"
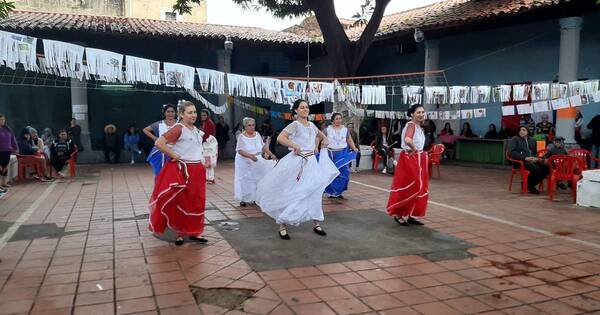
{"x": 179, "y": 75}
{"x": 16, "y": 48}
{"x": 240, "y": 85}
{"x": 293, "y": 90}
{"x": 412, "y": 94}
{"x": 446, "y": 115}
{"x": 268, "y": 88}
{"x": 586, "y": 99}
{"x": 501, "y": 93}
{"x": 370, "y": 113}
{"x": 432, "y": 115}
{"x": 348, "y": 92}
{"x": 558, "y": 90}
{"x": 479, "y": 112}
{"x": 560, "y": 103}
{"x": 459, "y": 95}
{"x": 466, "y": 113}
{"x": 215, "y": 109}
{"x": 105, "y": 65}
{"x": 328, "y": 116}
{"x": 523, "y": 109}
{"x": 63, "y": 59}
{"x": 576, "y": 88}
{"x": 373, "y": 94}
{"x": 541, "y": 91}
{"x": 211, "y": 80}
{"x": 596, "y": 97}
{"x": 142, "y": 70}
{"x": 521, "y": 92}
{"x": 319, "y": 92}
{"x": 480, "y": 94}
{"x": 508, "y": 110}
{"x": 454, "y": 114}
{"x": 590, "y": 87}
{"x": 575, "y": 100}
{"x": 436, "y": 95}
{"x": 539, "y": 107}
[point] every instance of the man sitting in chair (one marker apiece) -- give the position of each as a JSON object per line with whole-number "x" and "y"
{"x": 524, "y": 148}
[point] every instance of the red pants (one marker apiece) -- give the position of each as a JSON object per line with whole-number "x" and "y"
{"x": 410, "y": 186}
{"x": 178, "y": 199}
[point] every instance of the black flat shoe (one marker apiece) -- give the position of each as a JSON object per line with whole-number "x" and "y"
{"x": 284, "y": 235}
{"x": 319, "y": 230}
{"x": 414, "y": 221}
{"x": 243, "y": 204}
{"x": 199, "y": 239}
{"x": 534, "y": 191}
{"x": 179, "y": 241}
{"x": 400, "y": 221}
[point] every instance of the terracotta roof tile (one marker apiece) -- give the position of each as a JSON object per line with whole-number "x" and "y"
{"x": 35, "y": 21}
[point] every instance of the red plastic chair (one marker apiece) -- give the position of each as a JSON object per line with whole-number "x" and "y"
{"x": 583, "y": 156}
{"x": 563, "y": 167}
{"x": 72, "y": 161}
{"x": 376, "y": 158}
{"x": 435, "y": 157}
{"x": 23, "y": 163}
{"x": 524, "y": 173}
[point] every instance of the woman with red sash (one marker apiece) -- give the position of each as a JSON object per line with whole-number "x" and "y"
{"x": 410, "y": 186}
{"x": 179, "y": 195}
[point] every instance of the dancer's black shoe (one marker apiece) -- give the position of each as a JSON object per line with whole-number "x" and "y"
{"x": 284, "y": 234}
{"x": 319, "y": 230}
{"x": 400, "y": 221}
{"x": 199, "y": 239}
{"x": 414, "y": 221}
{"x": 179, "y": 241}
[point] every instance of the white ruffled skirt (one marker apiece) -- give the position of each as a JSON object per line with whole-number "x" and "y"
{"x": 247, "y": 175}
{"x": 291, "y": 193}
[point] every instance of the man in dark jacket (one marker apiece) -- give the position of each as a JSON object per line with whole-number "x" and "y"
{"x": 111, "y": 144}
{"x": 524, "y": 148}
{"x": 594, "y": 126}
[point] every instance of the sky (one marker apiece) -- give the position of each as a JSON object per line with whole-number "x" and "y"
{"x": 228, "y": 13}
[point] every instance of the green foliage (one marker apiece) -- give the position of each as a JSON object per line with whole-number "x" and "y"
{"x": 5, "y": 8}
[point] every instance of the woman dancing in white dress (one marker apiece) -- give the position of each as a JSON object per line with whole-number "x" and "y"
{"x": 250, "y": 166}
{"x": 291, "y": 193}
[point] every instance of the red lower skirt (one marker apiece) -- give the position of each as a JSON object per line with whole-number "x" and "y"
{"x": 178, "y": 199}
{"x": 410, "y": 186}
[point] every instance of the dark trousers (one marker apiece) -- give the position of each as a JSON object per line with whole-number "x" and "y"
{"x": 116, "y": 152}
{"x": 58, "y": 162}
{"x": 384, "y": 156}
{"x": 537, "y": 173}
{"x": 357, "y": 160}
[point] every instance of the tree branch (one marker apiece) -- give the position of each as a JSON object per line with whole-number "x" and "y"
{"x": 368, "y": 34}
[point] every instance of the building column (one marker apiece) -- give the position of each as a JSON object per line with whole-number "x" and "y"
{"x": 224, "y": 65}
{"x": 568, "y": 63}
{"x": 79, "y": 111}
{"x": 432, "y": 63}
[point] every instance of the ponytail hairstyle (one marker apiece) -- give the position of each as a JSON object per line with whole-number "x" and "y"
{"x": 411, "y": 110}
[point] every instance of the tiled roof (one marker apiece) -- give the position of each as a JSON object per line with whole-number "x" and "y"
{"x": 455, "y": 12}
{"x": 437, "y": 15}
{"x": 37, "y": 21}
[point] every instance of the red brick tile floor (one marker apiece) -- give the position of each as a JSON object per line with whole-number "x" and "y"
{"x": 530, "y": 255}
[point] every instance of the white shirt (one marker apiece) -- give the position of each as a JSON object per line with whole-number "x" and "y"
{"x": 418, "y": 138}
{"x": 338, "y": 138}
{"x": 189, "y": 144}
{"x": 304, "y": 136}
{"x": 252, "y": 145}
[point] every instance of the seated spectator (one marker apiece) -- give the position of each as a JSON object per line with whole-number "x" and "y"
{"x": 524, "y": 148}
{"x": 47, "y": 137}
{"x": 111, "y": 144}
{"x": 383, "y": 145}
{"x": 131, "y": 140}
{"x": 527, "y": 121}
{"x": 60, "y": 152}
{"x": 448, "y": 139}
{"x": 447, "y": 130}
{"x": 429, "y": 130}
{"x": 492, "y": 133}
{"x": 30, "y": 154}
{"x": 557, "y": 147}
{"x": 35, "y": 141}
{"x": 467, "y": 132}
{"x": 545, "y": 127}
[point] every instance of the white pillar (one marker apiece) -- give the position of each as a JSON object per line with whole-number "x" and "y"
{"x": 79, "y": 111}
{"x": 224, "y": 65}
{"x": 568, "y": 63}
{"x": 432, "y": 63}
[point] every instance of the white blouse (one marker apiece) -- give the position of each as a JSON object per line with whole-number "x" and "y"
{"x": 304, "y": 136}
{"x": 252, "y": 145}
{"x": 189, "y": 144}
{"x": 338, "y": 138}
{"x": 418, "y": 138}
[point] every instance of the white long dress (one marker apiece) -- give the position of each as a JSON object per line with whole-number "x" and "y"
{"x": 211, "y": 150}
{"x": 247, "y": 172}
{"x": 291, "y": 193}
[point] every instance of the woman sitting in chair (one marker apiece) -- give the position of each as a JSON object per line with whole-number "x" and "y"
{"x": 383, "y": 146}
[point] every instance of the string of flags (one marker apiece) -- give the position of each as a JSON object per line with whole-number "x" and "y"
{"x": 67, "y": 60}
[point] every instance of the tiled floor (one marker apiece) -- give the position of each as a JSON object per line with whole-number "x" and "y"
{"x": 532, "y": 256}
